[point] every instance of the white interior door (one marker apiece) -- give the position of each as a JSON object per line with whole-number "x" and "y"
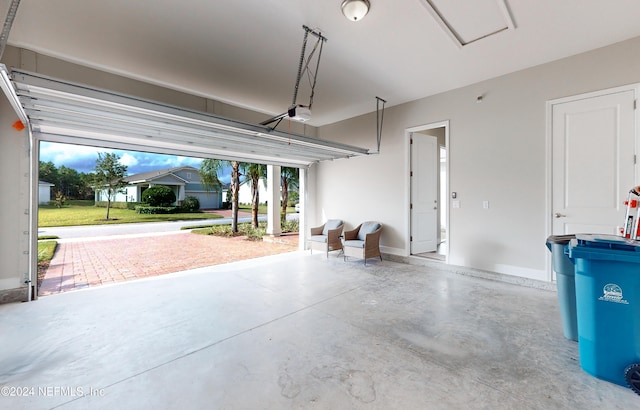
{"x": 593, "y": 156}
{"x": 424, "y": 193}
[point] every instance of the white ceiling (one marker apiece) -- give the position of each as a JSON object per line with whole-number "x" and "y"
{"x": 246, "y": 52}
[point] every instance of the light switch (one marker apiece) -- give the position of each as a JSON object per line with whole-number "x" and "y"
{"x": 456, "y": 203}
{"x": 485, "y": 204}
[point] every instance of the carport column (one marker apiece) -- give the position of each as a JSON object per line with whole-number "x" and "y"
{"x": 273, "y": 200}
{"x": 302, "y": 200}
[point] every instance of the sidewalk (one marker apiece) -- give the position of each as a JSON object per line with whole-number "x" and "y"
{"x": 93, "y": 262}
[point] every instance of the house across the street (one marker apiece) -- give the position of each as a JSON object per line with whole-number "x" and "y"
{"x": 184, "y": 181}
{"x": 44, "y": 192}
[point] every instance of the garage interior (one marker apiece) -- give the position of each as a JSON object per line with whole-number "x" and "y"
{"x": 479, "y": 330}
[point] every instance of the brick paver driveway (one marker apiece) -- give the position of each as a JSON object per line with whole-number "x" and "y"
{"x": 87, "y": 263}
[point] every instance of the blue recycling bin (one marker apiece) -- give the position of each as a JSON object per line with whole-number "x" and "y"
{"x": 607, "y": 278}
{"x": 565, "y": 282}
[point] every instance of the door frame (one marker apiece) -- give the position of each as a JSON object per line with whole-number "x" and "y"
{"x": 549, "y": 152}
{"x": 407, "y": 133}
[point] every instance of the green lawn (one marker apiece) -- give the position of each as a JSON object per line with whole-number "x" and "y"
{"x": 84, "y": 213}
{"x": 46, "y": 250}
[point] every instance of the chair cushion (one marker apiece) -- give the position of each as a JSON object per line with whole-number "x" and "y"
{"x": 331, "y": 224}
{"x": 367, "y": 227}
{"x": 318, "y": 238}
{"x": 354, "y": 243}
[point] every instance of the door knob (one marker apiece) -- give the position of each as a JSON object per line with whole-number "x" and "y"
{"x": 559, "y": 215}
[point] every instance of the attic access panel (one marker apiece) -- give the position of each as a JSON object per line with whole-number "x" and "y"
{"x": 62, "y": 111}
{"x": 466, "y": 22}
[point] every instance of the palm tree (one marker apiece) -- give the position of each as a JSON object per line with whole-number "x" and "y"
{"x": 290, "y": 179}
{"x": 253, "y": 174}
{"x": 209, "y": 169}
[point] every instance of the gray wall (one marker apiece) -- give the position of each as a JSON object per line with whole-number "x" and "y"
{"x": 497, "y": 152}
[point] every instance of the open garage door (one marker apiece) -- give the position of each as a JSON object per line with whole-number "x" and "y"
{"x": 72, "y": 113}
{"x": 60, "y": 111}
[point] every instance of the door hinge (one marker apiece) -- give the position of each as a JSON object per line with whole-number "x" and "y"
{"x": 411, "y": 238}
{"x": 410, "y": 141}
{"x": 635, "y": 159}
{"x": 410, "y": 206}
{"x": 410, "y": 173}
{"x": 635, "y": 104}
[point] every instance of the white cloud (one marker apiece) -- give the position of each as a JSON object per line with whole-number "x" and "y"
{"x": 128, "y": 160}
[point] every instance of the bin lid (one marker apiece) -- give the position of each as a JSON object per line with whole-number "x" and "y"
{"x": 608, "y": 241}
{"x": 604, "y": 247}
{"x": 560, "y": 239}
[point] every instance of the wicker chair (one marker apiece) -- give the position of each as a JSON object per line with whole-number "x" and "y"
{"x": 327, "y": 237}
{"x": 363, "y": 242}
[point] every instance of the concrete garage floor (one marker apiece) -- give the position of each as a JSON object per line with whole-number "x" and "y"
{"x": 297, "y": 331}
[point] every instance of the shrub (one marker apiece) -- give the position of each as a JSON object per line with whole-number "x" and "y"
{"x": 290, "y": 226}
{"x": 190, "y": 204}
{"x": 221, "y": 230}
{"x": 60, "y": 200}
{"x": 158, "y": 195}
{"x": 154, "y": 210}
{"x": 251, "y": 233}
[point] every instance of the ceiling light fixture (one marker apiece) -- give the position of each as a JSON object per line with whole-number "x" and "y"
{"x": 355, "y": 10}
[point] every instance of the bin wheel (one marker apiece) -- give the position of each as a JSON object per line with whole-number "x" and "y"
{"x": 632, "y": 376}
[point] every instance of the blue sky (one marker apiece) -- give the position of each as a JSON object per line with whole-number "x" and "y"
{"x": 83, "y": 159}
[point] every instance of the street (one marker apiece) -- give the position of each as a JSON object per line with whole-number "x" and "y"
{"x": 89, "y": 231}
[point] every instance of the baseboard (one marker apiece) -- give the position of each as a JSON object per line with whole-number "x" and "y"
{"x": 14, "y": 295}
{"x": 392, "y": 251}
{"x": 467, "y": 271}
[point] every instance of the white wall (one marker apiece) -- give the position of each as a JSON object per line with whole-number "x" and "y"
{"x": 496, "y": 153}
{"x": 244, "y": 194}
{"x": 44, "y": 193}
{"x": 14, "y": 206}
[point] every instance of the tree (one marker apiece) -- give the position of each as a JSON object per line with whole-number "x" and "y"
{"x": 71, "y": 183}
{"x": 85, "y": 189}
{"x": 209, "y": 169}
{"x": 47, "y": 171}
{"x": 253, "y": 174}
{"x": 109, "y": 174}
{"x": 290, "y": 179}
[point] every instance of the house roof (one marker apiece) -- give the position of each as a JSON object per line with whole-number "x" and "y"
{"x": 45, "y": 183}
{"x": 153, "y": 175}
